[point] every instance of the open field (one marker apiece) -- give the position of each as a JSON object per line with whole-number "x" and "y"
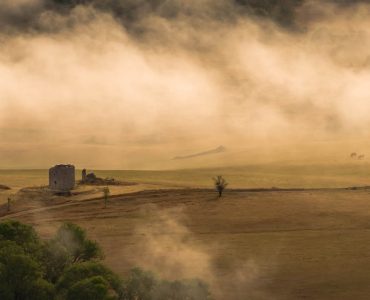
{"x": 249, "y": 176}
{"x": 312, "y": 244}
{"x": 297, "y": 244}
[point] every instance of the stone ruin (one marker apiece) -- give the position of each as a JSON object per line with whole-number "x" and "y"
{"x": 62, "y": 178}
{"x": 92, "y": 179}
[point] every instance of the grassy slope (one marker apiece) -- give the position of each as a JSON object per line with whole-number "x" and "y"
{"x": 274, "y": 245}
{"x": 264, "y": 245}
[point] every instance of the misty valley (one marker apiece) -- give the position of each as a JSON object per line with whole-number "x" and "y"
{"x": 184, "y": 149}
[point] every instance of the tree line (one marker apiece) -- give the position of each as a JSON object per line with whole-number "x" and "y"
{"x": 68, "y": 267}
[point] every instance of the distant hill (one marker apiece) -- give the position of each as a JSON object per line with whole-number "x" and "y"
{"x": 219, "y": 149}
{"x": 4, "y": 187}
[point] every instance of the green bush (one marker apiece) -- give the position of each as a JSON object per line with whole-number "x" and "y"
{"x": 82, "y": 271}
{"x": 67, "y": 267}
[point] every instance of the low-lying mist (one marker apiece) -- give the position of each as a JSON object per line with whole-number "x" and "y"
{"x": 170, "y": 249}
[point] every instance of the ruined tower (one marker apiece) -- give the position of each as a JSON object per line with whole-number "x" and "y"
{"x": 62, "y": 178}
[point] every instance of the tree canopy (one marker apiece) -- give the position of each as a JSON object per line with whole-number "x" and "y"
{"x": 68, "y": 267}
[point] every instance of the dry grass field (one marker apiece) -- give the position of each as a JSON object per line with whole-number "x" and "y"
{"x": 307, "y": 244}
{"x": 281, "y": 175}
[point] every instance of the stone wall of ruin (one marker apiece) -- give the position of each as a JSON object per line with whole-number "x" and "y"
{"x": 62, "y": 178}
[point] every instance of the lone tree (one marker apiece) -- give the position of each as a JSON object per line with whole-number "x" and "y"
{"x": 220, "y": 184}
{"x": 9, "y": 201}
{"x": 106, "y": 192}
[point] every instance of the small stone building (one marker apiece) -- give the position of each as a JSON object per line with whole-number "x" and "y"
{"x": 62, "y": 178}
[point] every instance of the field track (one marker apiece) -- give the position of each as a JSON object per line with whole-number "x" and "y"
{"x": 264, "y": 243}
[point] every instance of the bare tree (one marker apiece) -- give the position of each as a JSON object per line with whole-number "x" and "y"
{"x": 106, "y": 192}
{"x": 220, "y": 184}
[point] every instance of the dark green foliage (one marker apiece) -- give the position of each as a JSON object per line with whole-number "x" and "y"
{"x": 21, "y": 276}
{"x": 29, "y": 267}
{"x": 140, "y": 285}
{"x": 65, "y": 268}
{"x": 73, "y": 238}
{"x": 181, "y": 290}
{"x": 143, "y": 285}
{"x": 93, "y": 288}
{"x": 22, "y": 234}
{"x": 82, "y": 271}
{"x": 42, "y": 290}
{"x": 55, "y": 259}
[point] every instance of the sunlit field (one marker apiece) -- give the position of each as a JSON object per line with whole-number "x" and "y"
{"x": 252, "y": 176}
{"x": 247, "y": 245}
{"x": 250, "y": 245}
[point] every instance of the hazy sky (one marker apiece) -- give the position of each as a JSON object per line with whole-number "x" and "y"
{"x": 132, "y": 89}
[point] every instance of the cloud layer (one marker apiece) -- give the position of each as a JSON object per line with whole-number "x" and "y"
{"x": 132, "y": 84}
